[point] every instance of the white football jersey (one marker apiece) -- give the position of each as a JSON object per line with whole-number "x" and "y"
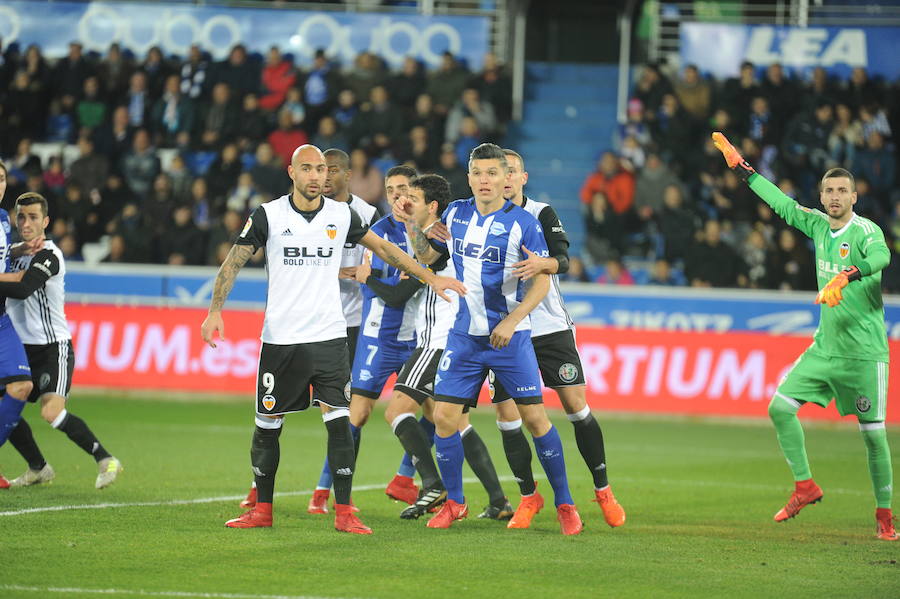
{"x": 40, "y": 318}
{"x": 303, "y": 259}
{"x": 351, "y": 294}
{"x": 435, "y": 316}
{"x": 550, "y": 316}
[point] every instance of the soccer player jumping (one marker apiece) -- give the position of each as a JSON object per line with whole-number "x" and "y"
{"x": 848, "y": 359}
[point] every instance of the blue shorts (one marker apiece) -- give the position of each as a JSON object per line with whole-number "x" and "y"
{"x": 466, "y": 362}
{"x": 375, "y": 361}
{"x": 13, "y": 361}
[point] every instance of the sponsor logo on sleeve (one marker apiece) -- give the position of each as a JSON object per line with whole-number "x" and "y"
{"x": 247, "y": 226}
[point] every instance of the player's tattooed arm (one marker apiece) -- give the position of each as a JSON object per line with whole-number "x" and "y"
{"x": 237, "y": 257}
{"x": 421, "y": 245}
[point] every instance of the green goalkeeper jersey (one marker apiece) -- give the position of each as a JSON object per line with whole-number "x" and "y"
{"x": 854, "y": 328}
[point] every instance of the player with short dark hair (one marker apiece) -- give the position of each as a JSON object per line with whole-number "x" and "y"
{"x": 848, "y": 358}
{"x": 36, "y": 305}
{"x": 492, "y": 327}
{"x": 304, "y": 330}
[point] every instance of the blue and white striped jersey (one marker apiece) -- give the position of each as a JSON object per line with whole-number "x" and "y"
{"x": 380, "y": 321}
{"x": 483, "y": 250}
{"x": 5, "y": 243}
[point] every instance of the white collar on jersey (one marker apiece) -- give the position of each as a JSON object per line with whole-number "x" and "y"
{"x": 839, "y": 232}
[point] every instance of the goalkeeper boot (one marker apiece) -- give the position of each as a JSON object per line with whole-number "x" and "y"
{"x": 34, "y": 477}
{"x": 805, "y": 493}
{"x": 613, "y": 512}
{"x": 402, "y": 488}
{"x": 885, "y": 524}
{"x": 4, "y": 484}
{"x": 250, "y": 500}
{"x": 345, "y": 520}
{"x": 498, "y": 512}
{"x": 569, "y": 521}
{"x": 427, "y": 501}
{"x": 258, "y": 517}
{"x": 318, "y": 503}
{"x": 109, "y": 470}
{"x": 528, "y": 508}
{"x": 449, "y": 512}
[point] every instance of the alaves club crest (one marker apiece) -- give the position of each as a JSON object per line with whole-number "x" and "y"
{"x": 844, "y": 250}
{"x": 331, "y": 231}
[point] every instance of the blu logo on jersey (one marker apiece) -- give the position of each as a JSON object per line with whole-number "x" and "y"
{"x": 488, "y": 253}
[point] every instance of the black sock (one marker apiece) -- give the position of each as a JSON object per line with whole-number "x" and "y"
{"x": 265, "y": 453}
{"x": 412, "y": 438}
{"x": 76, "y": 429}
{"x": 341, "y": 458}
{"x": 480, "y": 462}
{"x": 590, "y": 443}
{"x": 22, "y": 439}
{"x": 518, "y": 454}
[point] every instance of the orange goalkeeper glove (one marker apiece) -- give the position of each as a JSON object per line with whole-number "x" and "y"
{"x": 734, "y": 159}
{"x": 831, "y": 293}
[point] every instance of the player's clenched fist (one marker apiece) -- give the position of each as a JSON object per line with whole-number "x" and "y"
{"x": 402, "y": 209}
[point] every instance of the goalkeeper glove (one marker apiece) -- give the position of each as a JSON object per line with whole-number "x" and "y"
{"x": 734, "y": 159}
{"x": 831, "y": 293}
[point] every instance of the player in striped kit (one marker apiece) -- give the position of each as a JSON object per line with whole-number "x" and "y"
{"x": 36, "y": 307}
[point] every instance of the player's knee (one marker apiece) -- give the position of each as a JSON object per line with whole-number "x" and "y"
{"x": 535, "y": 419}
{"x": 781, "y": 408}
{"x": 507, "y": 411}
{"x": 446, "y": 418}
{"x": 19, "y": 390}
{"x": 572, "y": 398}
{"x": 52, "y": 406}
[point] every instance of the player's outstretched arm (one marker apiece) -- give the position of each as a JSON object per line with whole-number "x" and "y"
{"x": 20, "y": 285}
{"x": 237, "y": 257}
{"x": 397, "y": 258}
{"x": 27, "y": 248}
{"x": 504, "y": 331}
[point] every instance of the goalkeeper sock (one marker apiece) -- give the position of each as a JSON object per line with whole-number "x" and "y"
{"x": 341, "y": 455}
{"x": 325, "y": 478}
{"x": 549, "y": 450}
{"x": 265, "y": 453}
{"x": 10, "y": 412}
{"x": 414, "y": 441}
{"x": 23, "y": 440}
{"x": 879, "y": 461}
{"x": 783, "y": 412}
{"x": 518, "y": 454}
{"x": 589, "y": 438}
{"x": 78, "y": 432}
{"x": 480, "y": 462}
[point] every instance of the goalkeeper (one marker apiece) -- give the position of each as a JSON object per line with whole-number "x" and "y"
{"x": 848, "y": 358}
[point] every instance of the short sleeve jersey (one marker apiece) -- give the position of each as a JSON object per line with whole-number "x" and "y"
{"x": 483, "y": 249}
{"x": 40, "y": 318}
{"x": 351, "y": 294}
{"x": 303, "y": 261}
{"x": 855, "y": 327}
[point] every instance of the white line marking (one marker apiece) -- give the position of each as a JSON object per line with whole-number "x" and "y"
{"x": 144, "y": 593}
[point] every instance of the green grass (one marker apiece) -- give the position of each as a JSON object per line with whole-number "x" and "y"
{"x": 699, "y": 496}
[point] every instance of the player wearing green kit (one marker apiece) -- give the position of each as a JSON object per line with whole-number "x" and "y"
{"x": 848, "y": 358}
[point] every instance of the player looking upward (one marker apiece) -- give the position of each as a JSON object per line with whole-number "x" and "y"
{"x": 848, "y": 358}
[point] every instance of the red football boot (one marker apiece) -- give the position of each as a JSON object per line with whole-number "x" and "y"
{"x": 258, "y": 517}
{"x": 250, "y": 501}
{"x": 402, "y": 488}
{"x": 805, "y": 493}
{"x": 318, "y": 503}
{"x": 569, "y": 521}
{"x": 885, "y": 524}
{"x": 345, "y": 520}
{"x": 449, "y": 512}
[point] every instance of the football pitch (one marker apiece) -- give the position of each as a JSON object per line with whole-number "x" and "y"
{"x": 699, "y": 496}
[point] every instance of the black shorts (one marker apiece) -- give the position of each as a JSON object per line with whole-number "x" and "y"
{"x": 286, "y": 372}
{"x": 352, "y": 335}
{"x": 416, "y": 378}
{"x": 558, "y": 360}
{"x": 52, "y": 366}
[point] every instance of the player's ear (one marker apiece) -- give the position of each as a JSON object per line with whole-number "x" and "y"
{"x": 524, "y": 177}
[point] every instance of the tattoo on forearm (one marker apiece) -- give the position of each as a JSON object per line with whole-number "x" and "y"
{"x": 236, "y": 258}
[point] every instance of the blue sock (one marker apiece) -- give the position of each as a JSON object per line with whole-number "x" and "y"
{"x": 10, "y": 412}
{"x": 428, "y": 427}
{"x": 406, "y": 465}
{"x": 550, "y": 453}
{"x": 325, "y": 479}
{"x": 449, "y": 453}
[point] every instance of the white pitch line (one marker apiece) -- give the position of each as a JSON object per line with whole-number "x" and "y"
{"x": 144, "y": 593}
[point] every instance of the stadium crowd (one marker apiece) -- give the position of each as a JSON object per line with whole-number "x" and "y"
{"x": 664, "y": 193}
{"x": 174, "y": 152}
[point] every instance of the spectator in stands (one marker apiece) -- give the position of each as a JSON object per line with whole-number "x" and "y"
{"x": 238, "y": 72}
{"x": 183, "y": 243}
{"x": 805, "y": 144}
{"x": 138, "y": 100}
{"x": 874, "y": 118}
{"x": 755, "y": 254}
{"x": 605, "y": 229}
{"x": 140, "y": 166}
{"x": 861, "y": 91}
{"x": 72, "y": 213}
{"x": 225, "y": 231}
{"x": 157, "y": 70}
{"x": 71, "y": 71}
{"x": 425, "y": 116}
{"x": 819, "y": 88}
{"x": 616, "y": 183}
{"x": 21, "y": 111}
{"x": 576, "y": 272}
{"x": 651, "y": 87}
{"x": 495, "y": 87}
{"x": 877, "y": 164}
{"x": 677, "y": 224}
{"x": 346, "y": 109}
{"x": 114, "y": 139}
{"x": 91, "y": 108}
{"x": 408, "y": 84}
{"x": 71, "y": 250}
{"x": 200, "y": 202}
{"x": 761, "y": 126}
{"x": 661, "y": 274}
{"x": 129, "y": 224}
{"x": 471, "y": 105}
{"x": 253, "y": 125}
{"x": 173, "y": 116}
{"x": 632, "y": 154}
{"x": 293, "y": 103}
{"x": 378, "y": 125}
{"x": 366, "y": 181}
{"x": 738, "y": 93}
{"x": 242, "y": 197}
{"x": 650, "y": 189}
{"x": 268, "y": 174}
{"x": 781, "y": 93}
{"x": 713, "y": 263}
{"x": 24, "y": 162}
{"x": 223, "y": 174}
{"x": 671, "y": 130}
{"x": 455, "y": 174}
{"x": 54, "y": 177}
{"x": 38, "y": 75}
{"x": 446, "y": 84}
{"x": 219, "y": 121}
{"x": 181, "y": 179}
{"x": 158, "y": 206}
{"x": 286, "y": 138}
{"x": 194, "y": 74}
{"x": 418, "y": 149}
{"x": 694, "y": 93}
{"x": 790, "y": 266}
{"x": 320, "y": 88}
{"x": 60, "y": 125}
{"x": 117, "y": 250}
{"x": 90, "y": 170}
{"x": 366, "y": 73}
{"x": 328, "y": 135}
{"x": 734, "y": 202}
{"x": 846, "y": 137}
{"x": 113, "y": 198}
{"x": 278, "y": 76}
{"x": 468, "y": 139}
{"x": 635, "y": 127}
{"x": 114, "y": 72}
{"x": 615, "y": 273}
